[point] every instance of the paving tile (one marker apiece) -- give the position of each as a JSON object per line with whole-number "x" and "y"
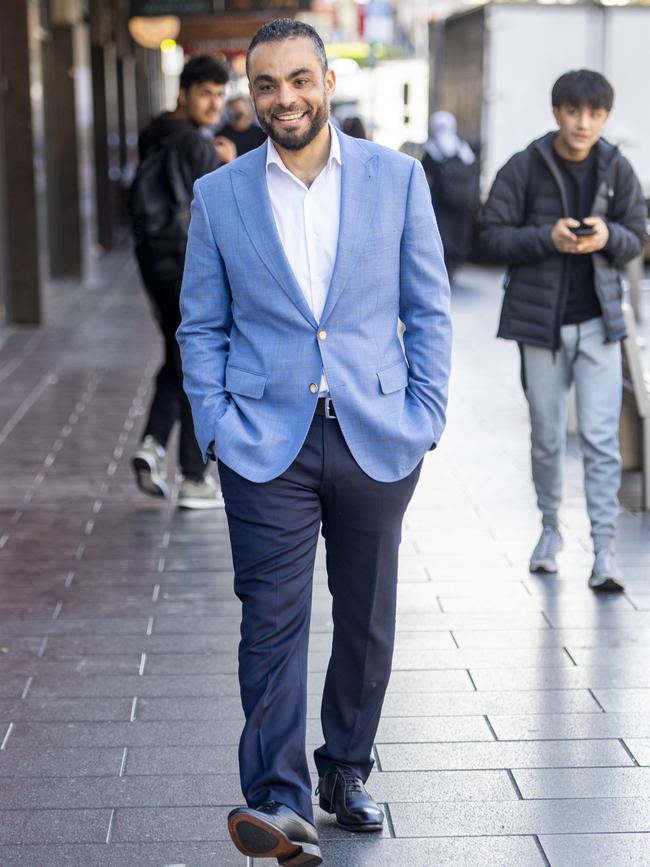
{"x": 118, "y": 686}
{"x": 66, "y": 710}
{"x": 184, "y": 760}
{"x": 611, "y": 657}
{"x": 405, "y": 787}
{"x": 12, "y": 685}
{"x": 24, "y": 762}
{"x": 596, "y": 850}
{"x": 564, "y": 816}
{"x": 507, "y": 702}
{"x": 20, "y": 643}
{"x": 486, "y": 851}
{"x": 505, "y": 638}
{"x": 51, "y": 667}
{"x": 560, "y": 678}
{"x": 624, "y": 700}
{"x": 519, "y": 601}
{"x": 87, "y": 645}
{"x": 215, "y": 854}
{"x": 200, "y": 625}
{"x": 621, "y": 637}
{"x": 571, "y": 726}
{"x": 504, "y": 754}
{"x": 54, "y": 826}
{"x": 584, "y": 782}
{"x": 214, "y": 709}
{"x": 427, "y": 681}
{"x": 573, "y": 638}
{"x": 475, "y": 620}
{"x": 479, "y": 658}
{"x": 139, "y": 733}
{"x": 426, "y": 729}
{"x": 64, "y": 625}
{"x": 208, "y": 663}
{"x": 561, "y": 618}
{"x": 127, "y": 791}
{"x": 640, "y": 749}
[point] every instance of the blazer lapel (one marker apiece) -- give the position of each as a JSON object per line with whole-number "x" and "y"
{"x": 254, "y": 204}
{"x": 358, "y": 202}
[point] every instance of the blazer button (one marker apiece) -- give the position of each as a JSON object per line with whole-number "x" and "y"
{"x": 313, "y": 388}
{"x": 322, "y": 334}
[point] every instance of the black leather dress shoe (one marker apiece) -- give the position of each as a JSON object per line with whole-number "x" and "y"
{"x": 275, "y": 831}
{"x": 343, "y": 793}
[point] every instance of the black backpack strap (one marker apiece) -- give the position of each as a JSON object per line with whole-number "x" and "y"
{"x": 176, "y": 177}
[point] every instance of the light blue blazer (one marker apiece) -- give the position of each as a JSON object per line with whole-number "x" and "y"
{"x": 249, "y": 341}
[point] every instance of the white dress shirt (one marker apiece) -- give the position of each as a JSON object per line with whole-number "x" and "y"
{"x": 307, "y": 220}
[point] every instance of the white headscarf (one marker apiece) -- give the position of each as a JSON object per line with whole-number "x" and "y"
{"x": 444, "y": 141}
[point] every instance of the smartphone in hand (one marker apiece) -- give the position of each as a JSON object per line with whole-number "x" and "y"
{"x": 584, "y": 230}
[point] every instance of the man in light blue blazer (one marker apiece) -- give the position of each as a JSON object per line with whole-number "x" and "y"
{"x": 302, "y": 257}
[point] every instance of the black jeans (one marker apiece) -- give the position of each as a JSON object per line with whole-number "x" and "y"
{"x": 170, "y": 403}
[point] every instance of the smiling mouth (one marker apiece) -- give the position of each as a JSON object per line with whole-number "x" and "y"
{"x": 291, "y": 117}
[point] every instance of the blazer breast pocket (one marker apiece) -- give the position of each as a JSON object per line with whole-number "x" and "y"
{"x": 393, "y": 378}
{"x": 245, "y": 383}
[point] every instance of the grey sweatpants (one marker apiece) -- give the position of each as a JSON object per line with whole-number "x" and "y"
{"x": 584, "y": 358}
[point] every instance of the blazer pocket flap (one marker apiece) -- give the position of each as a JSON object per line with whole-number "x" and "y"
{"x": 242, "y": 382}
{"x": 394, "y": 377}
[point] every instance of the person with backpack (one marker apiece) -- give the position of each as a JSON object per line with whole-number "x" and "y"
{"x": 566, "y": 214}
{"x": 452, "y": 173}
{"x": 173, "y": 154}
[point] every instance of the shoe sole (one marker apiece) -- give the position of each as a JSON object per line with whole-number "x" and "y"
{"x": 607, "y": 585}
{"x": 147, "y": 479}
{"x": 359, "y": 829}
{"x": 258, "y": 839}
{"x": 549, "y": 566}
{"x": 198, "y": 503}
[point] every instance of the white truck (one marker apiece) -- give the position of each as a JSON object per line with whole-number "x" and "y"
{"x": 494, "y": 67}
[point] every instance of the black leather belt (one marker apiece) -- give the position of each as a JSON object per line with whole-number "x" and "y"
{"x": 325, "y": 407}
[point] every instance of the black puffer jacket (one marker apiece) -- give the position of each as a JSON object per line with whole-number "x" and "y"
{"x": 526, "y": 200}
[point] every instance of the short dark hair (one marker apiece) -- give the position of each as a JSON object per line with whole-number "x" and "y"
{"x": 202, "y": 68}
{"x": 288, "y": 28}
{"x": 583, "y": 87}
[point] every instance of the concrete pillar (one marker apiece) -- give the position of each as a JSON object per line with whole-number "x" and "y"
{"x": 61, "y": 158}
{"x": 19, "y": 275}
{"x": 148, "y": 85}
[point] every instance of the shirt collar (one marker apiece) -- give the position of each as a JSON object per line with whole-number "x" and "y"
{"x": 274, "y": 158}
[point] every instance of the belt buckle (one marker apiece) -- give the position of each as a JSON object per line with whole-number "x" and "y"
{"x": 327, "y": 407}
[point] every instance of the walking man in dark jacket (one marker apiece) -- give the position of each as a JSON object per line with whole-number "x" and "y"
{"x": 173, "y": 154}
{"x": 566, "y": 215}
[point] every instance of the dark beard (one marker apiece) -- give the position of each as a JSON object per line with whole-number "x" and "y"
{"x": 289, "y": 141}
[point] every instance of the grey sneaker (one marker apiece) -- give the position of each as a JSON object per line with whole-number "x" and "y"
{"x": 543, "y": 557}
{"x": 606, "y": 576}
{"x": 200, "y": 495}
{"x": 149, "y": 467}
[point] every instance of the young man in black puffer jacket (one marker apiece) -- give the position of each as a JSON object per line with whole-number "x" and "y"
{"x": 566, "y": 215}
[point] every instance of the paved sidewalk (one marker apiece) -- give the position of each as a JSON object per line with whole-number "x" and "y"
{"x": 517, "y": 726}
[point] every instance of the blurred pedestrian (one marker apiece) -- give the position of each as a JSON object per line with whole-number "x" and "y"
{"x": 316, "y": 418}
{"x": 241, "y": 128}
{"x": 354, "y": 126}
{"x": 452, "y": 172}
{"x": 566, "y": 215}
{"x": 173, "y": 154}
